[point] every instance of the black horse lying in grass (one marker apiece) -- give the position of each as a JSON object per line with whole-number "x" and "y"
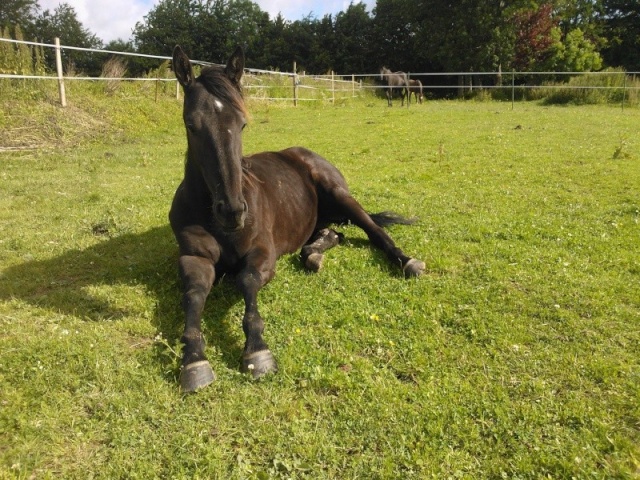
{"x": 239, "y": 214}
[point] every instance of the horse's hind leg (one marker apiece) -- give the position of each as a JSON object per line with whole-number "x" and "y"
{"x": 313, "y": 252}
{"x": 411, "y": 267}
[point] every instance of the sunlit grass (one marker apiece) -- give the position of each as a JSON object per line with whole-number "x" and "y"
{"x": 515, "y": 356}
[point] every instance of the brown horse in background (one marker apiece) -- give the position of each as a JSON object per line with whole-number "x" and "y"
{"x": 415, "y": 87}
{"x": 235, "y": 214}
{"x": 396, "y": 82}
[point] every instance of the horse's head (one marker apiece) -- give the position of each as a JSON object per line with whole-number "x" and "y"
{"x": 214, "y": 116}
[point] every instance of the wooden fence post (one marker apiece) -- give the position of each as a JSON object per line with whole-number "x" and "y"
{"x": 333, "y": 87}
{"x": 63, "y": 97}
{"x": 513, "y": 88}
{"x": 295, "y": 85}
{"x": 624, "y": 88}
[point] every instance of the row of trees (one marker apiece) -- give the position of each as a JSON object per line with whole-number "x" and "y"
{"x": 412, "y": 35}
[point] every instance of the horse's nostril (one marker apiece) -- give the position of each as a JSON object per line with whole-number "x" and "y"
{"x": 220, "y": 207}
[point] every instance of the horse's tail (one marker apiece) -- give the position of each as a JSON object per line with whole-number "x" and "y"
{"x": 385, "y": 219}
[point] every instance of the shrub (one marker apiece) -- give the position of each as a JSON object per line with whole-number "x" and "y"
{"x": 113, "y": 69}
{"x": 609, "y": 86}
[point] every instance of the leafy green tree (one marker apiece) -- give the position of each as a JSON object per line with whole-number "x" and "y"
{"x": 169, "y": 23}
{"x": 393, "y": 34}
{"x": 300, "y": 38}
{"x": 353, "y": 32}
{"x": 573, "y": 53}
{"x": 271, "y": 51}
{"x": 325, "y": 47}
{"x": 18, "y": 12}
{"x": 468, "y": 35}
{"x": 207, "y": 29}
{"x": 622, "y": 33}
{"x": 64, "y": 24}
{"x": 583, "y": 14}
{"x": 243, "y": 22}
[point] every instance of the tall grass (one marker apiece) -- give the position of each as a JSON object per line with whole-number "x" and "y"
{"x": 610, "y": 87}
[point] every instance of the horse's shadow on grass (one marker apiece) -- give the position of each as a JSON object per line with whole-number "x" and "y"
{"x": 70, "y": 283}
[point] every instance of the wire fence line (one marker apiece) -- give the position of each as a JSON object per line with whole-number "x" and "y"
{"x": 332, "y": 86}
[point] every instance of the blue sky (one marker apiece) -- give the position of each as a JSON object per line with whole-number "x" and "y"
{"x": 112, "y": 19}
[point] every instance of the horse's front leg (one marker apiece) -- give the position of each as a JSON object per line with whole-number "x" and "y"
{"x": 197, "y": 274}
{"x": 259, "y": 270}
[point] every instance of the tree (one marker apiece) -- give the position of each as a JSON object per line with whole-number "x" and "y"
{"x": 170, "y": 23}
{"x": 271, "y": 50}
{"x": 299, "y": 36}
{"x": 206, "y": 29}
{"x": 468, "y": 35}
{"x": 535, "y": 33}
{"x": 622, "y": 32}
{"x": 18, "y": 13}
{"x": 574, "y": 53}
{"x": 64, "y": 24}
{"x": 325, "y": 46}
{"x": 542, "y": 44}
{"x": 243, "y": 23}
{"x": 353, "y": 32}
{"x": 393, "y": 34}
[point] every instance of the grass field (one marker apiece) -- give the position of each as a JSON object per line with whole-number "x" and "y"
{"x": 517, "y": 355}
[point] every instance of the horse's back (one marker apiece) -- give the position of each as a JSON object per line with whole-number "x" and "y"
{"x": 319, "y": 179}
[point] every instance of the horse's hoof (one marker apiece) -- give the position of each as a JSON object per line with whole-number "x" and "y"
{"x": 259, "y": 363}
{"x": 196, "y": 375}
{"x": 413, "y": 268}
{"x": 314, "y": 262}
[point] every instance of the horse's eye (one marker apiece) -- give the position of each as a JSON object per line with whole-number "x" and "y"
{"x": 190, "y": 126}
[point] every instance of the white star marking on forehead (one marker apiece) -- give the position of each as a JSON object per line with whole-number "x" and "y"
{"x": 218, "y": 104}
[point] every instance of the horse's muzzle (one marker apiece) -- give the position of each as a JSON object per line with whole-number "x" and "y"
{"x": 231, "y": 217}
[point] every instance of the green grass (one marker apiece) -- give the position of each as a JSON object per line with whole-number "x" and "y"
{"x": 516, "y": 356}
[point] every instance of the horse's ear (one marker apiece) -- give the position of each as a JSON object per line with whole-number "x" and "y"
{"x": 235, "y": 66}
{"x": 182, "y": 67}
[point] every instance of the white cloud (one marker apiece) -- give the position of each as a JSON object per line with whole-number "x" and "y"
{"x": 108, "y": 19}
